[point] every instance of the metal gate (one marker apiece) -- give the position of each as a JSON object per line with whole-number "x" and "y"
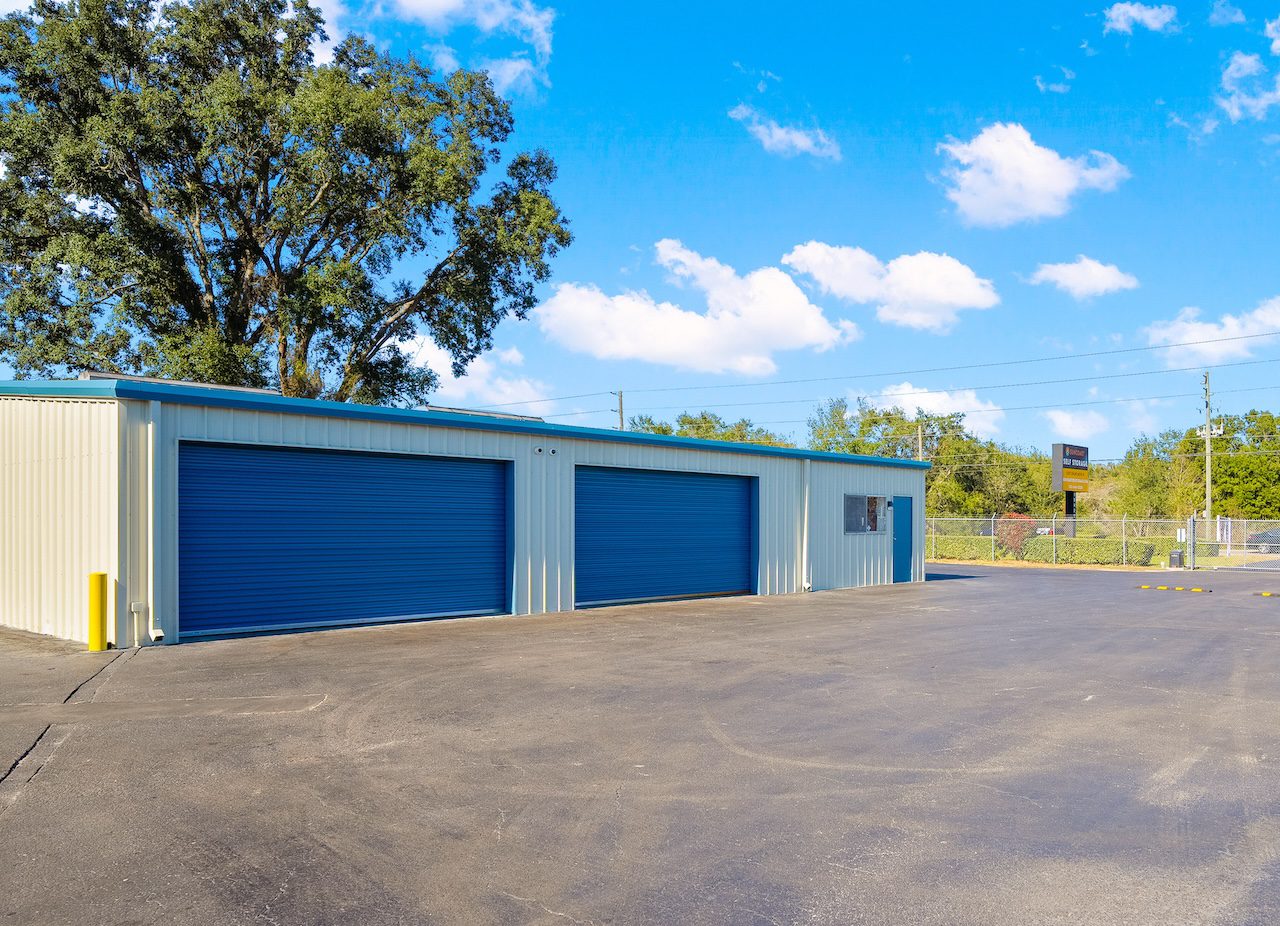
{"x": 1237, "y": 543}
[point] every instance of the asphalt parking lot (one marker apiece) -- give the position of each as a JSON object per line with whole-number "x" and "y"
{"x": 996, "y": 746}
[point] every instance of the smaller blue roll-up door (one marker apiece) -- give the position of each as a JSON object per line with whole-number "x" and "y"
{"x": 276, "y": 538}
{"x": 646, "y": 534}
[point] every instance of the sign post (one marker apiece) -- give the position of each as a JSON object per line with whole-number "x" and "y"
{"x": 1070, "y": 475}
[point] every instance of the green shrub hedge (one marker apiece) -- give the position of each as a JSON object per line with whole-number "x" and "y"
{"x": 1165, "y": 545}
{"x": 1089, "y": 551}
{"x": 1084, "y": 551}
{"x": 959, "y": 547}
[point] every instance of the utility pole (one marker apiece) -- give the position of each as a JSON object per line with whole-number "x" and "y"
{"x": 1208, "y": 432}
{"x": 622, "y": 421}
{"x": 1208, "y": 449}
{"x": 919, "y": 440}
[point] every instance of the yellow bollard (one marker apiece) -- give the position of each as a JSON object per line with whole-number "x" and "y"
{"x": 97, "y": 612}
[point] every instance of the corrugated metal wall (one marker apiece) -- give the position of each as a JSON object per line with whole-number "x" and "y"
{"x": 137, "y": 514}
{"x": 840, "y": 560}
{"x": 86, "y": 484}
{"x": 543, "y": 488}
{"x": 59, "y": 517}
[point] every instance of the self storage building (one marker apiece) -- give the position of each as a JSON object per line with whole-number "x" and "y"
{"x": 219, "y": 511}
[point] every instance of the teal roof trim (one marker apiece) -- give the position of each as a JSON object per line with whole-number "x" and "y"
{"x": 214, "y": 397}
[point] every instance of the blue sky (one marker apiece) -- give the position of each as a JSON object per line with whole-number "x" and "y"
{"x": 762, "y": 193}
{"x": 840, "y": 190}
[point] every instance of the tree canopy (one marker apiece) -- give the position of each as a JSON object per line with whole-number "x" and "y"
{"x": 1160, "y": 476}
{"x": 184, "y": 192}
{"x": 708, "y": 426}
{"x": 970, "y": 477}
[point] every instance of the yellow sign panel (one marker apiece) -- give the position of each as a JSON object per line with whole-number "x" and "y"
{"x": 1076, "y": 481}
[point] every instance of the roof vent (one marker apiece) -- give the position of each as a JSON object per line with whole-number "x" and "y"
{"x": 481, "y": 413}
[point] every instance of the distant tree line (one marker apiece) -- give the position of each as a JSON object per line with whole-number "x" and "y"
{"x": 1160, "y": 476}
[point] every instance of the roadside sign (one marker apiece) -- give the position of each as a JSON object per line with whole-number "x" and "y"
{"x": 1070, "y": 468}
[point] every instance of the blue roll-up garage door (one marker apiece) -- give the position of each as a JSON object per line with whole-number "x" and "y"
{"x": 276, "y": 538}
{"x": 645, "y": 534}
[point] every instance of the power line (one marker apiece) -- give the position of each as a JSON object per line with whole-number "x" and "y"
{"x": 594, "y": 411}
{"x": 969, "y": 366}
{"x": 988, "y": 388}
{"x": 1027, "y": 461}
{"x": 998, "y": 464}
{"x": 1024, "y": 408}
{"x": 1052, "y": 405}
{"x": 917, "y": 372}
{"x": 1031, "y": 459}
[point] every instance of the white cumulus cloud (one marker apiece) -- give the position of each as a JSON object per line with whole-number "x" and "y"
{"x": 1198, "y": 132}
{"x": 1187, "y": 326}
{"x": 1248, "y": 91}
{"x": 516, "y": 74}
{"x": 925, "y": 290}
{"x": 521, "y": 19}
{"x": 492, "y": 378}
{"x": 1142, "y": 417}
{"x": 1084, "y": 277}
{"x": 1122, "y": 17}
{"x": 982, "y": 417}
{"x": 748, "y": 318}
{"x": 94, "y": 207}
{"x": 335, "y": 14}
{"x": 1224, "y": 13}
{"x": 443, "y": 57}
{"x": 1059, "y": 86}
{"x": 785, "y": 140}
{"x": 1272, "y": 31}
{"x": 1001, "y": 176}
{"x": 1073, "y": 425}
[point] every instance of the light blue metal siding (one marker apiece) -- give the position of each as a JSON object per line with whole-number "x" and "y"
{"x": 646, "y": 534}
{"x": 274, "y": 538}
{"x": 903, "y": 528}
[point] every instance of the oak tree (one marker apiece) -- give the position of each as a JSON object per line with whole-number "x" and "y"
{"x": 186, "y": 192}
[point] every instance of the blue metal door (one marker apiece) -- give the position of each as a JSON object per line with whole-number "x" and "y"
{"x": 646, "y": 534}
{"x": 273, "y": 538}
{"x": 903, "y": 561}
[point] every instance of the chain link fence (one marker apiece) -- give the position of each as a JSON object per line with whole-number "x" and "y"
{"x": 1223, "y": 543}
{"x": 1236, "y": 543}
{"x": 1055, "y": 541}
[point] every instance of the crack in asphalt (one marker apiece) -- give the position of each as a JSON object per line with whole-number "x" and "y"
{"x": 26, "y": 752}
{"x": 102, "y": 668}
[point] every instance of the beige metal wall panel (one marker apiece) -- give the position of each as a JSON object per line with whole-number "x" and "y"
{"x": 137, "y": 520}
{"x": 543, "y": 503}
{"x": 59, "y": 513}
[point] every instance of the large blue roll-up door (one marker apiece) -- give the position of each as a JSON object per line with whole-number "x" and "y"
{"x": 275, "y": 538}
{"x": 645, "y": 534}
